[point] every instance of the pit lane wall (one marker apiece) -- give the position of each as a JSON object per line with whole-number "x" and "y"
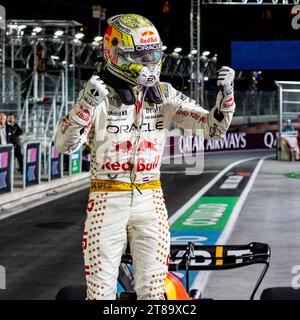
{"x": 183, "y": 144}
{"x": 32, "y": 165}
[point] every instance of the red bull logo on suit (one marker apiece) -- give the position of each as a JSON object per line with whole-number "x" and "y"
{"x": 124, "y": 146}
{"x": 147, "y": 145}
{"x": 140, "y": 164}
{"x": 127, "y": 146}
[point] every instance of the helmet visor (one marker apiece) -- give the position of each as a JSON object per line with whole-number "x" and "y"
{"x": 146, "y": 57}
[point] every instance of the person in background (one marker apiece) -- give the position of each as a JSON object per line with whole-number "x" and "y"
{"x": 16, "y": 133}
{"x": 5, "y": 131}
{"x": 289, "y": 126}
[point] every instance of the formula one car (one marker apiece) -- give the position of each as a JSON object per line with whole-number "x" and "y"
{"x": 190, "y": 257}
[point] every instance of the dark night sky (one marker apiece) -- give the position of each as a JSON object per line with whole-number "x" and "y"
{"x": 172, "y": 26}
{"x": 220, "y": 24}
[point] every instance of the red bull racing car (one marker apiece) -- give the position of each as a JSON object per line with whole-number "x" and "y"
{"x": 187, "y": 258}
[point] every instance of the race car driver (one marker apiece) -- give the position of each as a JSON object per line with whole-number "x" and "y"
{"x": 123, "y": 114}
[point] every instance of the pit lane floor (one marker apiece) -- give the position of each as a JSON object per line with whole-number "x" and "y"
{"x": 270, "y": 215}
{"x": 41, "y": 247}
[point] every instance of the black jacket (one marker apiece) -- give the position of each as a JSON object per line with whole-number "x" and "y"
{"x": 12, "y": 133}
{"x": 16, "y": 132}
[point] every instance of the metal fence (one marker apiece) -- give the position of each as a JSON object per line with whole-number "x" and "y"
{"x": 289, "y": 103}
{"x": 12, "y": 93}
{"x": 261, "y": 106}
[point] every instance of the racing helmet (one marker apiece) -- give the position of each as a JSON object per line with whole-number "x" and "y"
{"x": 133, "y": 49}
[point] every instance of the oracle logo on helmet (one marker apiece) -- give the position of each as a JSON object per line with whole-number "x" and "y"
{"x": 154, "y": 46}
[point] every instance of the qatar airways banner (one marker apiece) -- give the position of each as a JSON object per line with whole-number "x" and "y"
{"x": 185, "y": 144}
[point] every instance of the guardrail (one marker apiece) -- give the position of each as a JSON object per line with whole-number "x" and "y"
{"x": 32, "y": 165}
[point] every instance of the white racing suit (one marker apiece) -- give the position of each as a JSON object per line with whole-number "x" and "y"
{"x": 126, "y": 202}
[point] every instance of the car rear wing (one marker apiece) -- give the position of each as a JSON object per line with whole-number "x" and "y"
{"x": 219, "y": 257}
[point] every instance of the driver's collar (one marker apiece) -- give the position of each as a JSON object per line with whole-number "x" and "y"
{"x": 126, "y": 91}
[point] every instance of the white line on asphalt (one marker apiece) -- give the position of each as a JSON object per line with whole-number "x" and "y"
{"x": 200, "y": 193}
{"x": 201, "y": 279}
{"x": 238, "y": 206}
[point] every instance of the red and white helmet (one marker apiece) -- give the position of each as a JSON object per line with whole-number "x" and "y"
{"x": 132, "y": 49}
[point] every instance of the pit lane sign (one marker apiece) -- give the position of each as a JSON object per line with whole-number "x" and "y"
{"x": 6, "y": 168}
{"x": 75, "y": 162}
{"x": 32, "y": 164}
{"x": 55, "y": 169}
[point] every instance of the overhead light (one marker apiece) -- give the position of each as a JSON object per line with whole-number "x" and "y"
{"x": 178, "y": 49}
{"x": 33, "y": 33}
{"x": 194, "y": 51}
{"x": 95, "y": 43}
{"x": 12, "y": 26}
{"x": 98, "y": 38}
{"x": 205, "y": 78}
{"x": 163, "y": 48}
{"x": 22, "y": 26}
{"x": 206, "y": 53}
{"x": 15, "y": 26}
{"x": 55, "y": 57}
{"x": 37, "y": 29}
{"x": 58, "y": 33}
{"x": 79, "y": 35}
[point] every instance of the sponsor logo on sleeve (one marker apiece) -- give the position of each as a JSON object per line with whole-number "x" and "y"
{"x": 198, "y": 117}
